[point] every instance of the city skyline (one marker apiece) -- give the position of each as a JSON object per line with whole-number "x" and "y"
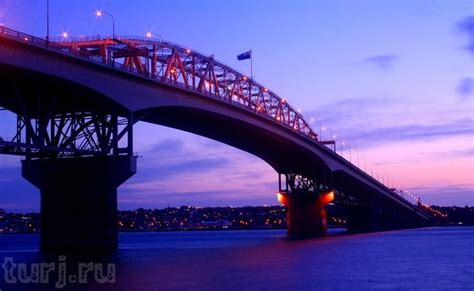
{"x": 396, "y": 84}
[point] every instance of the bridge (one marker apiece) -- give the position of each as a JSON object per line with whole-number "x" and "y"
{"x": 76, "y": 102}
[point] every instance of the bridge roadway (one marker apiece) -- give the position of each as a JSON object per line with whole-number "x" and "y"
{"x": 41, "y": 80}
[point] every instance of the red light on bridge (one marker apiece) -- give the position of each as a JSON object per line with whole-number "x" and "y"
{"x": 148, "y": 34}
{"x": 188, "y": 51}
{"x": 281, "y": 198}
{"x": 26, "y": 39}
{"x": 327, "y": 197}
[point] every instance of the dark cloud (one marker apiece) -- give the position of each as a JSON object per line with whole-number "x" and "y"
{"x": 456, "y": 194}
{"x": 459, "y": 153}
{"x": 371, "y": 121}
{"x": 167, "y": 145}
{"x": 153, "y": 169}
{"x": 362, "y": 102}
{"x": 466, "y": 26}
{"x": 416, "y": 132}
{"x": 198, "y": 165}
{"x": 330, "y": 114}
{"x": 382, "y": 61}
{"x": 465, "y": 88}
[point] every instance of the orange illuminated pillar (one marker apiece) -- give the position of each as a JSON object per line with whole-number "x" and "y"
{"x": 305, "y": 212}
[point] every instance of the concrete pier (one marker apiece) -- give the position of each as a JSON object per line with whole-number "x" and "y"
{"x": 306, "y": 215}
{"x": 79, "y": 200}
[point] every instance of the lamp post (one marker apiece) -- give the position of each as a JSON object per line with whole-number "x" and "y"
{"x": 47, "y": 21}
{"x": 99, "y": 13}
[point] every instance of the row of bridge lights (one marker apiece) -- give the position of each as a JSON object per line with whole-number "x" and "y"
{"x": 389, "y": 182}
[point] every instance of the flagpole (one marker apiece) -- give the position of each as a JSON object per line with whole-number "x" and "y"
{"x": 251, "y": 66}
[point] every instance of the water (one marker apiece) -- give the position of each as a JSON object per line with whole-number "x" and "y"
{"x": 438, "y": 258}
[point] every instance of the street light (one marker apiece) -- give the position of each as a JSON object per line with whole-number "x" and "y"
{"x": 100, "y": 13}
{"x": 150, "y": 35}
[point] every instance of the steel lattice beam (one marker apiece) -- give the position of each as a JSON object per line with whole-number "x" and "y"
{"x": 71, "y": 134}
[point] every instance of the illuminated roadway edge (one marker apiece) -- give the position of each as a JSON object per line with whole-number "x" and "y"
{"x": 151, "y": 95}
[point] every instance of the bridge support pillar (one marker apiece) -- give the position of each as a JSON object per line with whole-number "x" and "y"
{"x": 363, "y": 219}
{"x": 305, "y": 213}
{"x": 79, "y": 200}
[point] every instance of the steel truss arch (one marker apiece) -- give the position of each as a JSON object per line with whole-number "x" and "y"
{"x": 177, "y": 65}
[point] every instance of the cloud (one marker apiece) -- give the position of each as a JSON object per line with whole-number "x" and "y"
{"x": 362, "y": 102}
{"x": 340, "y": 112}
{"x": 189, "y": 166}
{"x": 465, "y": 88}
{"x": 416, "y": 132}
{"x": 371, "y": 121}
{"x": 459, "y": 153}
{"x": 167, "y": 145}
{"x": 197, "y": 171}
{"x": 466, "y": 26}
{"x": 456, "y": 194}
{"x": 384, "y": 62}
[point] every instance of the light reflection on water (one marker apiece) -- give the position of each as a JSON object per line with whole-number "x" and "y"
{"x": 428, "y": 258}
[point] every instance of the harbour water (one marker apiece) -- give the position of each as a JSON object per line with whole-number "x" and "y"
{"x": 437, "y": 258}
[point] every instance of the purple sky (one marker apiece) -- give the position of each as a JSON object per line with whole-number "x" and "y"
{"x": 393, "y": 79}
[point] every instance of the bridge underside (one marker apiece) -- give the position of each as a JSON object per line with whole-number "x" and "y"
{"x": 368, "y": 210}
{"x": 282, "y": 155}
{"x": 32, "y": 93}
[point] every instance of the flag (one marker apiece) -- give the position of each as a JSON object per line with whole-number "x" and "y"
{"x": 244, "y": 56}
